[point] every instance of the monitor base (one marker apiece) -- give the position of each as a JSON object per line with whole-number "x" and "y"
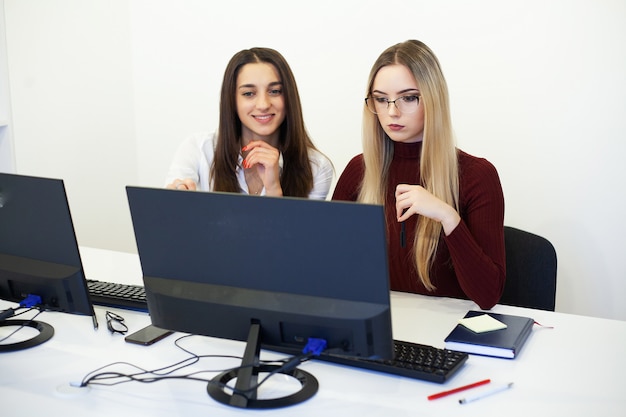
{"x": 45, "y": 333}
{"x": 245, "y": 393}
{"x": 217, "y": 391}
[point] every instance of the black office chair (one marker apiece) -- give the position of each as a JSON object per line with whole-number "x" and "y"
{"x": 530, "y": 270}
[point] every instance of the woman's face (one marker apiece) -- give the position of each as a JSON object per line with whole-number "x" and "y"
{"x": 404, "y": 124}
{"x": 260, "y": 102}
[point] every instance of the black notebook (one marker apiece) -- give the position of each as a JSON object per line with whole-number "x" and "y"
{"x": 503, "y": 343}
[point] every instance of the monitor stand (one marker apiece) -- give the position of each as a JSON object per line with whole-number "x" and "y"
{"x": 45, "y": 332}
{"x": 245, "y": 392}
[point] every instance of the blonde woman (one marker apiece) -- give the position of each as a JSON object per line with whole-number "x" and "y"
{"x": 444, "y": 208}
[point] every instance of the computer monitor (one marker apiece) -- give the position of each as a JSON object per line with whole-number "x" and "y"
{"x": 38, "y": 250}
{"x": 217, "y": 264}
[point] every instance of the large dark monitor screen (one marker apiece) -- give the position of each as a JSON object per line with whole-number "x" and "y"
{"x": 215, "y": 263}
{"x": 38, "y": 250}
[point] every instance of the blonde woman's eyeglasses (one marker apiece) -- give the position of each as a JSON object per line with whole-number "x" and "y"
{"x": 405, "y": 104}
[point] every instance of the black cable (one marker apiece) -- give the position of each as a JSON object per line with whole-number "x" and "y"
{"x": 165, "y": 373}
{"x": 9, "y": 312}
{"x": 288, "y": 364}
{"x": 24, "y": 324}
{"x": 93, "y": 380}
{"x": 174, "y": 367}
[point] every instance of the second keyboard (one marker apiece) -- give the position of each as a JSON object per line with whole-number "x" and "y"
{"x": 111, "y": 294}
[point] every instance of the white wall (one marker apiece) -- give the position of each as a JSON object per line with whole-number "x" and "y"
{"x": 7, "y": 156}
{"x": 72, "y": 101}
{"x": 103, "y": 91}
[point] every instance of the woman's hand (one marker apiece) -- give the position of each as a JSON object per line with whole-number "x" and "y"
{"x": 184, "y": 184}
{"x": 414, "y": 199}
{"x": 265, "y": 158}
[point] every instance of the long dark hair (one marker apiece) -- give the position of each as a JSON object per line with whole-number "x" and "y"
{"x": 294, "y": 142}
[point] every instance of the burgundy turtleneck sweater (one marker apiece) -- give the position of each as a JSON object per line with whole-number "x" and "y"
{"x": 470, "y": 262}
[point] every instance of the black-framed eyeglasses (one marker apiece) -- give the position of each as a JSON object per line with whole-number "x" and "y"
{"x": 405, "y": 104}
{"x": 115, "y": 323}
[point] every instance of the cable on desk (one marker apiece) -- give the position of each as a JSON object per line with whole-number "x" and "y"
{"x": 5, "y": 314}
{"x": 26, "y": 323}
{"x": 145, "y": 376}
{"x": 27, "y": 303}
{"x": 30, "y": 302}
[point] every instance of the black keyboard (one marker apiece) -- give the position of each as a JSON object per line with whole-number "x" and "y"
{"x": 110, "y": 294}
{"x": 411, "y": 360}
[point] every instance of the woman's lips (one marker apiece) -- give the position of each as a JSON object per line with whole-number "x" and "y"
{"x": 395, "y": 127}
{"x": 265, "y": 118}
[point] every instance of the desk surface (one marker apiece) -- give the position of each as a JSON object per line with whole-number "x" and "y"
{"x": 573, "y": 369}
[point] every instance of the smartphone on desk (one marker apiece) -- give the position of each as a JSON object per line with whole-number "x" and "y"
{"x": 148, "y": 335}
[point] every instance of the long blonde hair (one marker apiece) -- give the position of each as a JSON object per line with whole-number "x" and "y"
{"x": 439, "y": 171}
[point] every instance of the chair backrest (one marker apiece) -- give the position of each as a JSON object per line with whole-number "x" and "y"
{"x": 530, "y": 270}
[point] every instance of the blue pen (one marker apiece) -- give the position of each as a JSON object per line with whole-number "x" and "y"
{"x": 485, "y": 393}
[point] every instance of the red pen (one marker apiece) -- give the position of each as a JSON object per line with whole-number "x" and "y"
{"x": 455, "y": 390}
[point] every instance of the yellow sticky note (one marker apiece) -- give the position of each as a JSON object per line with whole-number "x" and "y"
{"x": 482, "y": 323}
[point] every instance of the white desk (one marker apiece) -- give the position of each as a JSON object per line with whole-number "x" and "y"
{"x": 574, "y": 369}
